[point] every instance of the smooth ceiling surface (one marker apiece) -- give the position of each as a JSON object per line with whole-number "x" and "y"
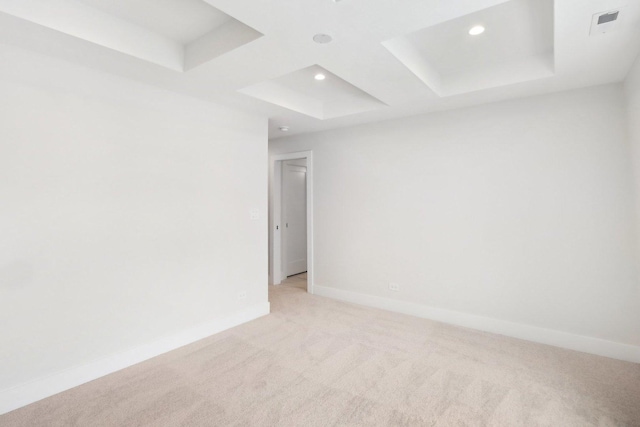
{"x": 178, "y": 35}
{"x": 273, "y": 38}
{"x": 300, "y": 91}
{"x": 181, "y": 20}
{"x": 514, "y": 30}
{"x": 516, "y": 46}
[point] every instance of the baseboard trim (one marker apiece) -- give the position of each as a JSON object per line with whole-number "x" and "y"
{"x": 552, "y": 337}
{"x": 32, "y": 391}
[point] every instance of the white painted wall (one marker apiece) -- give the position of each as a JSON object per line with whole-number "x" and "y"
{"x": 519, "y": 211}
{"x": 632, "y": 92}
{"x": 124, "y": 215}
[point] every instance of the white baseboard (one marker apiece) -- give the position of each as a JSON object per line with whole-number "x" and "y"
{"x": 552, "y": 337}
{"x": 32, "y": 391}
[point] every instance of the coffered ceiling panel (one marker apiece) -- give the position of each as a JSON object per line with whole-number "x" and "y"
{"x": 176, "y": 34}
{"x": 315, "y": 92}
{"x": 385, "y": 59}
{"x": 514, "y": 43}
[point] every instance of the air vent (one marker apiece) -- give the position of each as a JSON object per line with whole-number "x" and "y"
{"x": 606, "y": 22}
{"x": 608, "y": 17}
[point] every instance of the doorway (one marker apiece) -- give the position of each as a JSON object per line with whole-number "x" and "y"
{"x": 291, "y": 220}
{"x": 294, "y": 217}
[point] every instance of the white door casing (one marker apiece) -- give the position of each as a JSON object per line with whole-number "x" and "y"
{"x": 275, "y": 217}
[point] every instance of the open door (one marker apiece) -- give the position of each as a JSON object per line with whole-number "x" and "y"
{"x": 294, "y": 213}
{"x": 291, "y": 220}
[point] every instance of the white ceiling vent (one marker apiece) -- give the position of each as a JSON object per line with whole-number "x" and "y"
{"x": 606, "y": 22}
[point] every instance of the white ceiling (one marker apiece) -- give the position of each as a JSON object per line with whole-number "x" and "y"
{"x": 181, "y": 20}
{"x": 517, "y": 46}
{"x": 201, "y": 32}
{"x": 514, "y": 30}
{"x": 300, "y": 91}
{"x": 273, "y": 39}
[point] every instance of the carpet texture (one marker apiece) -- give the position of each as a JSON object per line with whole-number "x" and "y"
{"x": 319, "y": 362}
{"x": 298, "y": 281}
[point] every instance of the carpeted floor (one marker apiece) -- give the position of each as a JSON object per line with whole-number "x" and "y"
{"x": 298, "y": 281}
{"x": 319, "y": 362}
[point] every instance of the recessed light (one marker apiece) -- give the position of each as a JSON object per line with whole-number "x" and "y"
{"x": 320, "y": 76}
{"x": 284, "y": 128}
{"x": 477, "y": 30}
{"x": 322, "y": 38}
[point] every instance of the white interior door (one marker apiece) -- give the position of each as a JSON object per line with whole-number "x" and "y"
{"x": 294, "y": 214}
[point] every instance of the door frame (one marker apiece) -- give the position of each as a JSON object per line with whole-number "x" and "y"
{"x": 285, "y": 229}
{"x": 275, "y": 217}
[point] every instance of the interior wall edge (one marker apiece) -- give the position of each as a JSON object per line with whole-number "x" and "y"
{"x": 521, "y": 210}
{"x": 632, "y": 98}
{"x": 41, "y": 388}
{"x": 535, "y": 334}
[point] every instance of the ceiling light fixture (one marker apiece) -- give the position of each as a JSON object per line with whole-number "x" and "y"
{"x": 320, "y": 76}
{"x": 322, "y": 38}
{"x": 477, "y": 30}
{"x": 284, "y": 128}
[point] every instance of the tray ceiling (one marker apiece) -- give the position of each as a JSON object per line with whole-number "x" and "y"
{"x": 387, "y": 59}
{"x": 515, "y": 46}
{"x": 176, "y": 34}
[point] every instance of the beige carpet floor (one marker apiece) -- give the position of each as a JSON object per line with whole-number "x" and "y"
{"x": 319, "y": 362}
{"x": 298, "y": 281}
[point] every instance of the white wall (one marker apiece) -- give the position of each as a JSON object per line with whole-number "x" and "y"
{"x": 632, "y": 92}
{"x": 519, "y": 211}
{"x": 124, "y": 215}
